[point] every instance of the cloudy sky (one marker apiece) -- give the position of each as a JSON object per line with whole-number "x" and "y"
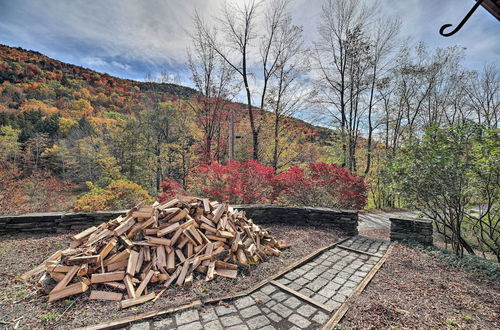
{"x": 129, "y": 38}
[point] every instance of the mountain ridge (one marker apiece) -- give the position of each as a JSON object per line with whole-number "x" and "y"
{"x": 39, "y": 69}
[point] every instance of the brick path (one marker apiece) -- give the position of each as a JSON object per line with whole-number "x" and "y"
{"x": 328, "y": 280}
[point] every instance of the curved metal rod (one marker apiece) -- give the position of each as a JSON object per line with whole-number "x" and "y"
{"x": 459, "y": 26}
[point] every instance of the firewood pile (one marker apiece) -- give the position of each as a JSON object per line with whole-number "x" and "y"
{"x": 173, "y": 243}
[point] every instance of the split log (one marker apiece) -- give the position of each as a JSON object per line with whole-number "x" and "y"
{"x": 231, "y": 273}
{"x": 105, "y": 295}
{"x": 84, "y": 233}
{"x": 143, "y": 284}
{"x": 70, "y": 290}
{"x": 67, "y": 278}
{"x": 160, "y": 243}
{"x": 135, "y": 301}
{"x": 107, "y": 277}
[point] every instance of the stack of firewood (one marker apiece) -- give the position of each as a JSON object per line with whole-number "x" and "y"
{"x": 173, "y": 243}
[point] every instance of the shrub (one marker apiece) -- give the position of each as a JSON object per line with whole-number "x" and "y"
{"x": 322, "y": 184}
{"x": 452, "y": 176}
{"x": 247, "y": 182}
{"x": 169, "y": 188}
{"x": 119, "y": 194}
{"x": 37, "y": 192}
{"x": 318, "y": 184}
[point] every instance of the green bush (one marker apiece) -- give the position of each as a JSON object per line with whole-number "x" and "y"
{"x": 119, "y": 194}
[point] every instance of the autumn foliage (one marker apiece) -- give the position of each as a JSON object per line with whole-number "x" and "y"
{"x": 169, "y": 188}
{"x": 37, "y": 191}
{"x": 119, "y": 194}
{"x": 60, "y": 122}
{"x": 322, "y": 184}
{"x": 317, "y": 184}
{"x": 246, "y": 182}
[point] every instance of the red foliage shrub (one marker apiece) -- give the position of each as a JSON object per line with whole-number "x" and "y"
{"x": 295, "y": 187}
{"x": 318, "y": 184}
{"x": 322, "y": 184}
{"x": 169, "y": 188}
{"x": 38, "y": 192}
{"x": 235, "y": 182}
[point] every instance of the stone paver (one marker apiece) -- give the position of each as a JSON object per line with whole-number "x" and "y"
{"x": 258, "y": 322}
{"x": 191, "y": 326}
{"x": 329, "y": 279}
{"x": 224, "y": 310}
{"x": 250, "y": 311}
{"x": 230, "y": 320}
{"x": 140, "y": 326}
{"x": 213, "y": 325}
{"x": 244, "y": 302}
{"x": 208, "y": 314}
{"x": 166, "y": 323}
{"x": 187, "y": 317}
{"x": 299, "y": 321}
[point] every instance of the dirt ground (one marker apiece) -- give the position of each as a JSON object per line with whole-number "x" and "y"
{"x": 22, "y": 304}
{"x": 414, "y": 291}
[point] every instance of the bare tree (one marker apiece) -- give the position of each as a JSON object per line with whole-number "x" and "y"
{"x": 212, "y": 77}
{"x": 233, "y": 39}
{"x": 457, "y": 111}
{"x": 341, "y": 60}
{"x": 288, "y": 92}
{"x": 483, "y": 93}
{"x": 424, "y": 88}
{"x": 34, "y": 147}
{"x": 382, "y": 44}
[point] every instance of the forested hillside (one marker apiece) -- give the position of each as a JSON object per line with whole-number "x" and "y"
{"x": 65, "y": 128}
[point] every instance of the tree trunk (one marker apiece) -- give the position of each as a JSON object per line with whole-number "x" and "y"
{"x": 255, "y": 132}
{"x": 208, "y": 150}
{"x": 276, "y": 143}
{"x": 370, "y": 125}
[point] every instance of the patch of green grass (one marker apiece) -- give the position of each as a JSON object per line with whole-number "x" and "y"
{"x": 60, "y": 245}
{"x": 466, "y": 317}
{"x": 341, "y": 327}
{"x": 50, "y": 316}
{"x": 401, "y": 311}
{"x": 202, "y": 293}
{"x": 21, "y": 293}
{"x": 5, "y": 248}
{"x": 451, "y": 323}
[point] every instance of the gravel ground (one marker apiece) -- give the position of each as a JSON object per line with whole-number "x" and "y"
{"x": 377, "y": 233}
{"x": 415, "y": 291}
{"x": 21, "y": 303}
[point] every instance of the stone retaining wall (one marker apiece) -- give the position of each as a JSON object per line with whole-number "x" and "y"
{"x": 54, "y": 222}
{"x": 411, "y": 229}
{"x": 344, "y": 221}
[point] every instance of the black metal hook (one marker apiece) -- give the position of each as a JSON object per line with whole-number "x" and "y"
{"x": 459, "y": 26}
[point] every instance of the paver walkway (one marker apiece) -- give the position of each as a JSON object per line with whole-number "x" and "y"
{"x": 303, "y": 298}
{"x": 380, "y": 220}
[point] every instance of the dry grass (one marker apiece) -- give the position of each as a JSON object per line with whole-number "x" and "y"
{"x": 21, "y": 302}
{"x": 415, "y": 291}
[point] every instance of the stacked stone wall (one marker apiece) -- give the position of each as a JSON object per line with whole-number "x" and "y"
{"x": 344, "y": 221}
{"x": 411, "y": 229}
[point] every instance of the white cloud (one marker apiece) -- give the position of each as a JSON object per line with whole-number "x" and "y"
{"x": 94, "y": 62}
{"x": 115, "y": 34}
